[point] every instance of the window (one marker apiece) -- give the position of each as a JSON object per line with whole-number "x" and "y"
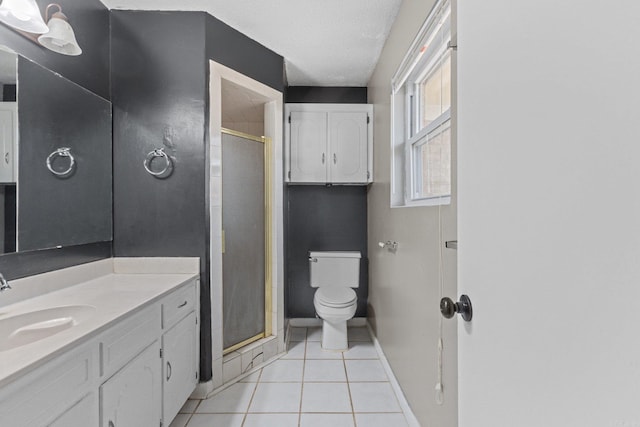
{"x": 421, "y": 116}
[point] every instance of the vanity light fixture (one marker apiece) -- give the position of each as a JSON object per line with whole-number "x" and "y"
{"x": 60, "y": 37}
{"x": 23, "y": 15}
{"x": 55, "y": 33}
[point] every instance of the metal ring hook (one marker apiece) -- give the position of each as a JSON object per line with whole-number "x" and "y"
{"x": 158, "y": 152}
{"x": 61, "y": 152}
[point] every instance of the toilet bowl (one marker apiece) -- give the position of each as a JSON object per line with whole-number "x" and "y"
{"x": 335, "y": 302}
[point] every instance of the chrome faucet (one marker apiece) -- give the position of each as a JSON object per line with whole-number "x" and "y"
{"x": 4, "y": 285}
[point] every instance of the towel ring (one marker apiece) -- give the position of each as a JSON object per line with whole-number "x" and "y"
{"x": 61, "y": 152}
{"x": 158, "y": 152}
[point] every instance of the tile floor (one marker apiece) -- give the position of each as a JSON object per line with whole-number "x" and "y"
{"x": 308, "y": 387}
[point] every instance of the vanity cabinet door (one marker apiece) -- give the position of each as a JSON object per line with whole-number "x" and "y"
{"x": 179, "y": 365}
{"x": 132, "y": 397}
{"x": 82, "y": 414}
{"x": 8, "y": 119}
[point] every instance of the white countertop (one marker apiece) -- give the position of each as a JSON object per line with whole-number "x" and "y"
{"x": 114, "y": 296}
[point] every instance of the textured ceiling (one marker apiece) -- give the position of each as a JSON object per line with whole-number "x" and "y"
{"x": 324, "y": 42}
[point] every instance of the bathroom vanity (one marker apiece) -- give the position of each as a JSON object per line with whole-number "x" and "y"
{"x": 112, "y": 343}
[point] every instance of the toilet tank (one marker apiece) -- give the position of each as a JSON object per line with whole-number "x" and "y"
{"x": 339, "y": 269}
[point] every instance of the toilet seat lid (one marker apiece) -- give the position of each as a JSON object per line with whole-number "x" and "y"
{"x": 335, "y": 297}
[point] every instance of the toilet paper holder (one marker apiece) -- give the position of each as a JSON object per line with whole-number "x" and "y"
{"x": 392, "y": 246}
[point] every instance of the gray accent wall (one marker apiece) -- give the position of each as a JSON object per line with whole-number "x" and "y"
{"x": 323, "y": 219}
{"x": 160, "y": 99}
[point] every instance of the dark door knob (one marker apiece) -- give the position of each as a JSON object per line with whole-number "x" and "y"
{"x": 448, "y": 308}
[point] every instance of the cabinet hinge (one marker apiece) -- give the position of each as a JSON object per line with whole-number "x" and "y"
{"x": 161, "y": 424}
{"x": 289, "y": 174}
{"x": 160, "y": 353}
{"x": 289, "y": 118}
{"x": 368, "y": 119}
{"x": 196, "y": 320}
{"x": 196, "y": 374}
{"x": 368, "y": 174}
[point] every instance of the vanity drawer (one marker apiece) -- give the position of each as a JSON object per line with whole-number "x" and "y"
{"x": 45, "y": 393}
{"x": 177, "y": 305}
{"x": 128, "y": 338}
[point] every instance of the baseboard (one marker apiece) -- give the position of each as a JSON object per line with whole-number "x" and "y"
{"x": 310, "y": 322}
{"x": 404, "y": 404}
{"x": 202, "y": 390}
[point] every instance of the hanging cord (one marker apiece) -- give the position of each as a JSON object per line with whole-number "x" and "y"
{"x": 439, "y": 392}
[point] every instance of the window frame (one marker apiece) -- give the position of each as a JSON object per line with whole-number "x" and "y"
{"x": 406, "y": 109}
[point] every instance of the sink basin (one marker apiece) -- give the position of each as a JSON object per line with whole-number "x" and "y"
{"x": 32, "y": 326}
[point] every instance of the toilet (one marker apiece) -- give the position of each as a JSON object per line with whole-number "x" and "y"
{"x": 334, "y": 274}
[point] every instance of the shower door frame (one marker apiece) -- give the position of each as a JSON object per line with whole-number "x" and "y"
{"x": 274, "y": 129}
{"x": 268, "y": 236}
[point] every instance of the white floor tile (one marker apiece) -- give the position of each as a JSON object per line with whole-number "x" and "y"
{"x": 234, "y": 399}
{"x": 314, "y": 334}
{"x": 189, "y": 406}
{"x": 365, "y": 370}
{"x": 359, "y": 334}
{"x": 315, "y": 351}
{"x": 324, "y": 420}
{"x": 361, "y": 350}
{"x": 381, "y": 420}
{"x": 180, "y": 420}
{"x": 271, "y": 420}
{"x": 276, "y": 397}
{"x": 373, "y": 397}
{"x": 324, "y": 371}
{"x": 252, "y": 378}
{"x": 216, "y": 420}
{"x": 282, "y": 371}
{"x": 296, "y": 350}
{"x": 325, "y": 397}
{"x": 297, "y": 334}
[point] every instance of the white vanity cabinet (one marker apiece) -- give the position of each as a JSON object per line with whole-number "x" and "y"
{"x": 179, "y": 350}
{"x": 137, "y": 372}
{"x": 8, "y": 137}
{"x": 329, "y": 144}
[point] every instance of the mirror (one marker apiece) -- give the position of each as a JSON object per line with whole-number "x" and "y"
{"x": 58, "y": 191}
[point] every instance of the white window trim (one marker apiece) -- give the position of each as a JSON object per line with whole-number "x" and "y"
{"x": 402, "y": 164}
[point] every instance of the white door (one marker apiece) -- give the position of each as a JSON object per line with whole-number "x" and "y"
{"x": 179, "y": 366}
{"x": 308, "y": 146}
{"x": 132, "y": 397}
{"x": 348, "y": 147}
{"x": 8, "y": 131}
{"x": 549, "y": 213}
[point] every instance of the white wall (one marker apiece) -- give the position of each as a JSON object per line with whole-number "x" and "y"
{"x": 549, "y": 212}
{"x": 403, "y": 287}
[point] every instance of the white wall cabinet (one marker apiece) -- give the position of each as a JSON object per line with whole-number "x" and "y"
{"x": 138, "y": 372}
{"x": 8, "y": 138}
{"x": 329, "y": 143}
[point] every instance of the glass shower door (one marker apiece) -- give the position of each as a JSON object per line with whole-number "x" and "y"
{"x": 245, "y": 241}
